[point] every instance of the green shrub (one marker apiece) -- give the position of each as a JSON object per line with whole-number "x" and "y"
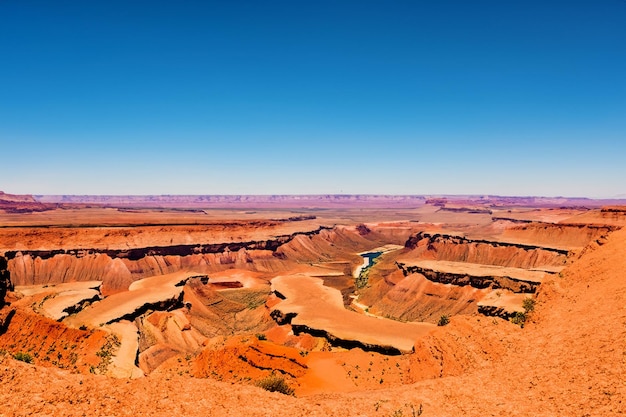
{"x": 24, "y": 357}
{"x": 443, "y": 320}
{"x": 519, "y": 318}
{"x": 274, "y": 383}
{"x": 528, "y": 304}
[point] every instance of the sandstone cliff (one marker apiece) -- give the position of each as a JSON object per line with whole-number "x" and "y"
{"x": 5, "y": 281}
{"x": 118, "y": 268}
{"x": 16, "y": 203}
{"x": 444, "y": 247}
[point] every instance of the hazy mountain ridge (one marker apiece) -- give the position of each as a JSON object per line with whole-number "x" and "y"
{"x": 317, "y": 200}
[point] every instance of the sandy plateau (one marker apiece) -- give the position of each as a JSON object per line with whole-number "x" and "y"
{"x": 342, "y": 306}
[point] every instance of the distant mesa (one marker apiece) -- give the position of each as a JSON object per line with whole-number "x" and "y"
{"x": 452, "y": 203}
{"x": 239, "y": 201}
{"x": 15, "y": 198}
{"x": 26, "y": 203}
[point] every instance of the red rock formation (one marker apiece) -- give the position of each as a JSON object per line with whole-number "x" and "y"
{"x": 250, "y": 360}
{"x": 5, "y": 280}
{"x": 460, "y": 249}
{"x": 559, "y": 235}
{"x": 15, "y": 203}
{"x": 51, "y": 343}
{"x": 415, "y": 298}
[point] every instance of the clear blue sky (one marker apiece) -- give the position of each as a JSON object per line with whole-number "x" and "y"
{"x": 297, "y": 97}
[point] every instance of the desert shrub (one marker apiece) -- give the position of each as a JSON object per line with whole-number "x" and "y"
{"x": 415, "y": 412}
{"x": 261, "y": 336}
{"x": 443, "y": 320}
{"x": 24, "y": 357}
{"x": 519, "y": 318}
{"x": 528, "y": 304}
{"x": 275, "y": 383}
{"x": 362, "y": 279}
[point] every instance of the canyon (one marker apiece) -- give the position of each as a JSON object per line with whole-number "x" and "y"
{"x": 466, "y": 311}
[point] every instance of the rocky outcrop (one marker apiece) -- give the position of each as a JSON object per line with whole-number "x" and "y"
{"x": 57, "y": 301}
{"x": 483, "y": 276}
{"x": 155, "y": 293}
{"x": 118, "y": 268}
{"x": 135, "y": 254}
{"x": 341, "y": 243}
{"x": 311, "y": 307}
{"x": 496, "y": 311}
{"x": 51, "y": 343}
{"x": 416, "y": 298}
{"x": 470, "y": 210}
{"x": 18, "y": 203}
{"x": 163, "y": 334}
{"x": 250, "y": 360}
{"x": 564, "y": 236}
{"x": 503, "y": 304}
{"x": 5, "y": 280}
{"x": 445, "y": 247}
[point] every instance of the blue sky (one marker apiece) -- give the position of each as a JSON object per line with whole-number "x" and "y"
{"x": 307, "y": 97}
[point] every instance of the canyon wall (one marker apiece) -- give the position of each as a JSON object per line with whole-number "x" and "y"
{"x": 117, "y": 268}
{"x": 5, "y": 279}
{"x": 443, "y": 247}
{"x": 556, "y": 235}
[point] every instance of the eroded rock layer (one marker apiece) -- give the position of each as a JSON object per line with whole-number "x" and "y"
{"x": 445, "y": 247}
{"x": 5, "y": 281}
{"x": 118, "y": 268}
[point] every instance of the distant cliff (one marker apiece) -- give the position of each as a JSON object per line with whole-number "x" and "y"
{"x": 120, "y": 267}
{"x": 26, "y": 203}
{"x": 474, "y": 203}
{"x": 240, "y": 201}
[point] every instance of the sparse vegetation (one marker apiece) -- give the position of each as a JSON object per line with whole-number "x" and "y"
{"x": 275, "y": 383}
{"x": 363, "y": 278}
{"x": 106, "y": 353}
{"x": 519, "y": 317}
{"x": 529, "y": 305}
{"x": 24, "y": 357}
{"x": 415, "y": 412}
{"x": 443, "y": 320}
{"x": 249, "y": 299}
